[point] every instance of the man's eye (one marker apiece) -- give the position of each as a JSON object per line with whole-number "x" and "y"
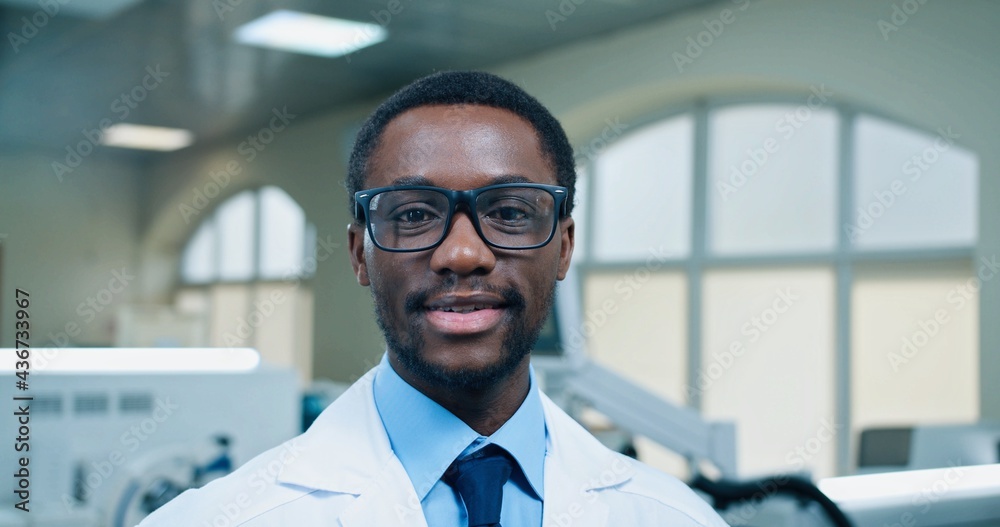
{"x": 414, "y": 216}
{"x": 509, "y": 214}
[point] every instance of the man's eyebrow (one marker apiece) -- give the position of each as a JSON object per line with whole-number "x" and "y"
{"x": 511, "y": 178}
{"x": 411, "y": 180}
{"x": 421, "y": 180}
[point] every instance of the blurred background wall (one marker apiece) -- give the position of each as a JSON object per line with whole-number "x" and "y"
{"x": 128, "y": 217}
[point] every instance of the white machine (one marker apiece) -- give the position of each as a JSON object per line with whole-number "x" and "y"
{"x": 114, "y": 433}
{"x": 957, "y": 495}
{"x": 929, "y": 475}
{"x": 928, "y": 446}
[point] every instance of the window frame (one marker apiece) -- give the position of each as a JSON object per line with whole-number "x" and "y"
{"x": 309, "y": 232}
{"x": 842, "y": 259}
{"x": 255, "y": 282}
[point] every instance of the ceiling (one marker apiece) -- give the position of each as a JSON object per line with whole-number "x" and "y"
{"x": 73, "y": 70}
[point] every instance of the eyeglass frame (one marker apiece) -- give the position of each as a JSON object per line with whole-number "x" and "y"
{"x": 363, "y": 198}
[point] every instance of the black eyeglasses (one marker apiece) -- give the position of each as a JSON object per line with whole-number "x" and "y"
{"x": 411, "y": 218}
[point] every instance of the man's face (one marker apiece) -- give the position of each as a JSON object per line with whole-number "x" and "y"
{"x": 463, "y": 314}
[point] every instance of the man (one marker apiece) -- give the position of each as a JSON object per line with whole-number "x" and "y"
{"x": 461, "y": 186}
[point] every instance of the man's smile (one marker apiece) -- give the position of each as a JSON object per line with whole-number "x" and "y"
{"x": 464, "y": 314}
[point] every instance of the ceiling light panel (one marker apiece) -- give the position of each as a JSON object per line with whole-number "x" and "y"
{"x": 309, "y": 34}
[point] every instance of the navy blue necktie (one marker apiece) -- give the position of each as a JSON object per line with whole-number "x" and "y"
{"x": 479, "y": 479}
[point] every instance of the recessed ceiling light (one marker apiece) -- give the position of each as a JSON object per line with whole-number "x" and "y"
{"x": 146, "y": 137}
{"x": 310, "y": 34}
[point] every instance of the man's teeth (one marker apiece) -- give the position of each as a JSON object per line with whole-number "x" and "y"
{"x": 462, "y": 309}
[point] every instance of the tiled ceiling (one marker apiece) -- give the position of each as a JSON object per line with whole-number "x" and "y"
{"x": 62, "y": 73}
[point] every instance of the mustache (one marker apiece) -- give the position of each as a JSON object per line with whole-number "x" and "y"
{"x": 416, "y": 300}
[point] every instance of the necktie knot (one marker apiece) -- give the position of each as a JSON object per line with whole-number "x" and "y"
{"x": 479, "y": 479}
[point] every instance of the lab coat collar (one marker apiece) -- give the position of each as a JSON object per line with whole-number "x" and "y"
{"x": 579, "y": 455}
{"x": 577, "y": 465}
{"x": 347, "y": 451}
{"x": 345, "y": 447}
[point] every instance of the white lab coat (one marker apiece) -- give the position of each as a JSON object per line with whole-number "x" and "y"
{"x": 342, "y": 472}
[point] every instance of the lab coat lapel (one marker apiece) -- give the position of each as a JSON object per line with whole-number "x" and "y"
{"x": 389, "y": 500}
{"x": 347, "y": 451}
{"x": 577, "y": 467}
{"x": 345, "y": 448}
{"x": 567, "y": 502}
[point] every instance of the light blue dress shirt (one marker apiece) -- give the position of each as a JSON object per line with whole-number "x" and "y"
{"x": 427, "y": 438}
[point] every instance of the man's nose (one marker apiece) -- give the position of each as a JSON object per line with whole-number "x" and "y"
{"x": 463, "y": 252}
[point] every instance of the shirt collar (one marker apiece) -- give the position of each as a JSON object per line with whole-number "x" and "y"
{"x": 427, "y": 438}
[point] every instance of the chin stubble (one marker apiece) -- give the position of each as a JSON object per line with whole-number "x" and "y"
{"x": 518, "y": 342}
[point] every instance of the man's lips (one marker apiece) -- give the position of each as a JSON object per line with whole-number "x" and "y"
{"x": 464, "y": 314}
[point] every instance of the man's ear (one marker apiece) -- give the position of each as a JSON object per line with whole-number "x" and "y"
{"x": 567, "y": 235}
{"x": 356, "y": 244}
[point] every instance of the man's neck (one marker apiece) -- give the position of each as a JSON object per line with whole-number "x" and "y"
{"x": 484, "y": 410}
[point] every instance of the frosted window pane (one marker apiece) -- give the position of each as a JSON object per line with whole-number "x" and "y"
{"x": 912, "y": 189}
{"x": 580, "y": 215}
{"x": 192, "y": 301}
{"x": 235, "y": 219}
{"x": 636, "y": 324}
{"x": 772, "y": 179}
{"x": 914, "y": 346}
{"x": 768, "y": 364}
{"x": 198, "y": 261}
{"x": 284, "y": 335}
{"x": 276, "y": 334}
{"x": 304, "y": 332}
{"x": 643, "y": 193}
{"x": 228, "y": 323}
{"x": 282, "y": 234}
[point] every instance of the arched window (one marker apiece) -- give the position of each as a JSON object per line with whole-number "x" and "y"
{"x": 804, "y": 270}
{"x": 245, "y": 271}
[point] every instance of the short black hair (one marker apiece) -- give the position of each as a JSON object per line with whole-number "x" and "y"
{"x": 458, "y": 88}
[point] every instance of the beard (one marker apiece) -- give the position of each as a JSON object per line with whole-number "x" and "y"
{"x": 519, "y": 338}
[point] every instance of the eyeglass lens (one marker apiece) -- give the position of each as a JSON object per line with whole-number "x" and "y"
{"x": 511, "y": 217}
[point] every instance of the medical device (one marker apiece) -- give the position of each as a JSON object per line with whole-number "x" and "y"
{"x": 114, "y": 433}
